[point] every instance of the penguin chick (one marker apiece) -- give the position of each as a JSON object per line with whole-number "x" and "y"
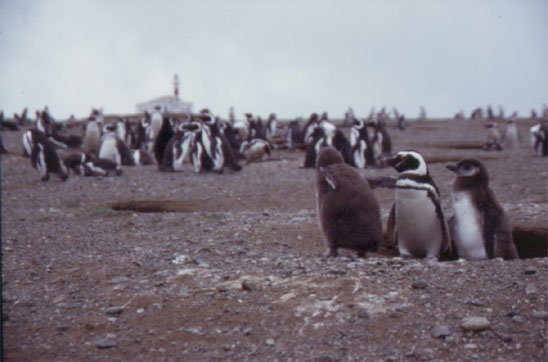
{"x": 348, "y": 212}
{"x": 480, "y": 229}
{"x": 416, "y": 219}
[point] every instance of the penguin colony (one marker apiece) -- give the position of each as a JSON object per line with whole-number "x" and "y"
{"x": 348, "y": 213}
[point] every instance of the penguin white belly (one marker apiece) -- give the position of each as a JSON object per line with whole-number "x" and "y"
{"x": 108, "y": 149}
{"x": 468, "y": 231}
{"x": 92, "y": 136}
{"x": 418, "y": 225}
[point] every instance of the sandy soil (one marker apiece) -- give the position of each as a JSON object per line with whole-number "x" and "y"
{"x": 239, "y": 272}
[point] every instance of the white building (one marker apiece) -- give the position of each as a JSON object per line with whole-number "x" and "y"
{"x": 167, "y": 104}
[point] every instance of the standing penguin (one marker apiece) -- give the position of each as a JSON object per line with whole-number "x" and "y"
{"x": 114, "y": 148}
{"x": 416, "y": 218}
{"x": 162, "y": 139}
{"x": 44, "y": 158}
{"x": 348, "y": 212}
{"x": 480, "y": 229}
{"x": 511, "y": 139}
{"x": 92, "y": 134}
{"x": 362, "y": 150}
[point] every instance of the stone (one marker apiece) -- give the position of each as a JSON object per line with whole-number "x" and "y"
{"x": 114, "y": 310}
{"x": 247, "y": 285}
{"x": 476, "y": 324}
{"x": 104, "y": 343}
{"x": 530, "y": 270}
{"x": 419, "y": 284}
{"x": 270, "y": 342}
{"x": 441, "y": 331}
{"x": 540, "y": 315}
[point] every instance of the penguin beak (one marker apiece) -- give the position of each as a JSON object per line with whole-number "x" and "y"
{"x": 452, "y": 167}
{"x": 392, "y": 160}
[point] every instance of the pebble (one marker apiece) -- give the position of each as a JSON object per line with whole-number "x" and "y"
{"x": 475, "y": 324}
{"x": 540, "y": 315}
{"x": 114, "y": 310}
{"x": 531, "y": 290}
{"x": 104, "y": 343}
{"x": 419, "y": 284}
{"x": 441, "y": 331}
{"x": 270, "y": 342}
{"x": 470, "y": 346}
{"x": 247, "y": 285}
{"x": 530, "y": 270}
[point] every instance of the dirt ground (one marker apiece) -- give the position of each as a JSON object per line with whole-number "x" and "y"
{"x": 239, "y": 271}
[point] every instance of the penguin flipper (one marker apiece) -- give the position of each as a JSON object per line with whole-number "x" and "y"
{"x": 328, "y": 178}
{"x": 391, "y": 237}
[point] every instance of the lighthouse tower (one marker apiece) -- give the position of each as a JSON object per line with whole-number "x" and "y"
{"x": 176, "y": 86}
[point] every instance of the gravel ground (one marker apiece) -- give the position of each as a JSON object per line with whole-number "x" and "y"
{"x": 239, "y": 272}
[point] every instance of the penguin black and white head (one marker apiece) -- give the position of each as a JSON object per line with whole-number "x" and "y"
{"x": 480, "y": 227}
{"x": 348, "y": 213}
{"x": 416, "y": 219}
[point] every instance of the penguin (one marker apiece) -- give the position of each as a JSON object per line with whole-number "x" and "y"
{"x": 255, "y": 149}
{"x": 325, "y": 134}
{"x": 142, "y": 157}
{"x": 493, "y": 137}
{"x": 44, "y": 158}
{"x": 511, "y": 135}
{"x": 156, "y": 122}
{"x": 481, "y": 229}
{"x": 360, "y": 143}
{"x": 178, "y": 149}
{"x": 271, "y": 126}
{"x": 348, "y": 212}
{"x": 75, "y": 162}
{"x": 218, "y": 139}
{"x": 215, "y": 145}
{"x": 92, "y": 135}
{"x": 114, "y": 148}
{"x": 539, "y": 138}
{"x": 162, "y": 138}
{"x": 416, "y": 219}
{"x": 101, "y": 167}
{"x": 2, "y": 148}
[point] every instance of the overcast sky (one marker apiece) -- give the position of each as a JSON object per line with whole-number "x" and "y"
{"x": 288, "y": 57}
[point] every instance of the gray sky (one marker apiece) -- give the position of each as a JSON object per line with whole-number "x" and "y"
{"x": 288, "y": 57}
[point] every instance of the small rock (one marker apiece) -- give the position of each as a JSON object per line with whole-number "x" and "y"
{"x": 426, "y": 354}
{"x": 114, "y": 310}
{"x": 540, "y": 315}
{"x": 104, "y": 343}
{"x": 519, "y": 319}
{"x": 530, "y": 270}
{"x": 247, "y": 285}
{"x": 475, "y": 324}
{"x": 284, "y": 298}
{"x": 531, "y": 290}
{"x": 323, "y": 359}
{"x": 270, "y": 342}
{"x": 470, "y": 346}
{"x": 419, "y": 284}
{"x": 441, "y": 331}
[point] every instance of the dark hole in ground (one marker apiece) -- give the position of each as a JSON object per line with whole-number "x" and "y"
{"x": 158, "y": 205}
{"x": 531, "y": 242}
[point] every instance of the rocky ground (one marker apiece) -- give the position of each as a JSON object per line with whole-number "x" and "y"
{"x": 237, "y": 271}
